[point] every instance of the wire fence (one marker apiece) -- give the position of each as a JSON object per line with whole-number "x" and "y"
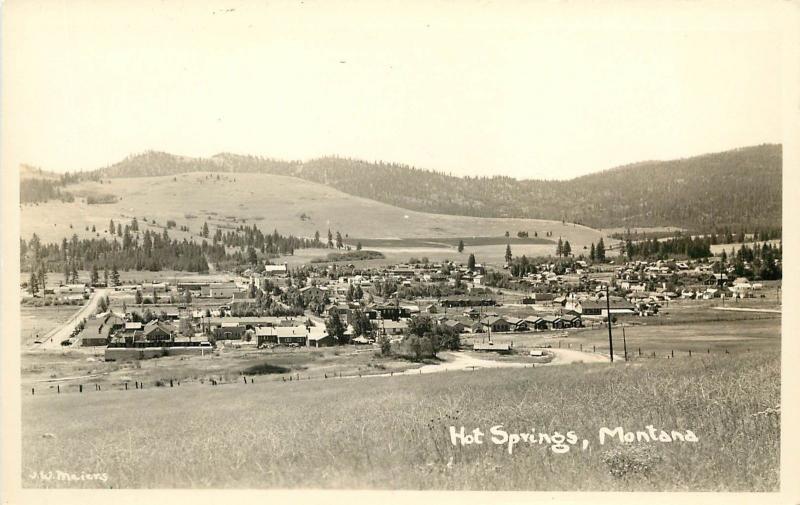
{"x": 623, "y": 355}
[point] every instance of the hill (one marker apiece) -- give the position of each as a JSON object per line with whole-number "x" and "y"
{"x": 738, "y": 189}
{"x": 288, "y": 204}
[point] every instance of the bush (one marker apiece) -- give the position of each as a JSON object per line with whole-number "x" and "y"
{"x": 265, "y": 368}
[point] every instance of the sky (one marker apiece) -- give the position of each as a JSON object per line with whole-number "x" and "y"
{"x": 535, "y": 90}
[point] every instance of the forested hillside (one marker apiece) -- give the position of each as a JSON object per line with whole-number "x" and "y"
{"x": 740, "y": 189}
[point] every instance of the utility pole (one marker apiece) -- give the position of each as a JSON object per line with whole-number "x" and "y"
{"x": 624, "y": 344}
{"x": 608, "y": 315}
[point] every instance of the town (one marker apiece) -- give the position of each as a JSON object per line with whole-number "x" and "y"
{"x": 403, "y": 305}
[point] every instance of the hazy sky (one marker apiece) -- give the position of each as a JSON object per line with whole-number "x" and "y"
{"x": 531, "y": 90}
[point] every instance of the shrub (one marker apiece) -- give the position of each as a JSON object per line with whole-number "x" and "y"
{"x": 265, "y": 368}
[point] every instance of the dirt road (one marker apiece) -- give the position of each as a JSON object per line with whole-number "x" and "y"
{"x": 53, "y": 339}
{"x": 458, "y": 361}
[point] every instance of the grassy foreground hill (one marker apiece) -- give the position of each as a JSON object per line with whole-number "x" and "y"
{"x": 394, "y": 432}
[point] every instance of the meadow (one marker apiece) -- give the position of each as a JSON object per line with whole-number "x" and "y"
{"x": 394, "y": 432}
{"x": 40, "y": 320}
{"x": 288, "y": 204}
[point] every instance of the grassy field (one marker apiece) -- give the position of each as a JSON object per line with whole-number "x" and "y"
{"x": 71, "y": 367}
{"x": 394, "y": 432}
{"x": 40, "y": 320}
{"x": 287, "y": 204}
{"x": 736, "y": 336}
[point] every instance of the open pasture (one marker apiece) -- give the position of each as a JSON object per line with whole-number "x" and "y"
{"x": 393, "y": 432}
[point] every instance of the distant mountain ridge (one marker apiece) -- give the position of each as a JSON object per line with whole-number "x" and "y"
{"x": 741, "y": 188}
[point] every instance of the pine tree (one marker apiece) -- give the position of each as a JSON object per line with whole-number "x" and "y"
{"x": 567, "y": 249}
{"x": 461, "y": 246}
{"x": 114, "y": 275}
{"x": 339, "y": 244}
{"x": 600, "y": 252}
{"x": 111, "y": 228}
{"x": 42, "y": 277}
{"x": 509, "y": 257}
{"x": 95, "y": 278}
{"x": 471, "y": 262}
{"x": 592, "y": 255}
{"x": 74, "y": 273}
{"x": 33, "y": 284}
{"x": 560, "y": 248}
{"x": 335, "y": 327}
{"x": 204, "y": 233}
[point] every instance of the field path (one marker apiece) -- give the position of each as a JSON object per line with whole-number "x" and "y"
{"x": 567, "y": 356}
{"x": 53, "y": 339}
{"x": 460, "y": 361}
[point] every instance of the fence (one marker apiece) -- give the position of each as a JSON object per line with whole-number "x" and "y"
{"x": 226, "y": 379}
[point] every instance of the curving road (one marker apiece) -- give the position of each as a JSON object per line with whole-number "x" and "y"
{"x": 53, "y": 339}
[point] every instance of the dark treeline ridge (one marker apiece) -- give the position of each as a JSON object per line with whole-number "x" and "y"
{"x": 37, "y": 186}
{"x": 740, "y": 189}
{"x": 758, "y": 261}
{"x": 132, "y": 249}
{"x": 722, "y": 235}
{"x": 682, "y": 247}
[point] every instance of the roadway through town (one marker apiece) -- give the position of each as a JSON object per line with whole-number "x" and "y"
{"x": 53, "y": 339}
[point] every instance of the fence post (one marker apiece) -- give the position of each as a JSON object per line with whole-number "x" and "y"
{"x": 673, "y": 352}
{"x": 690, "y": 353}
{"x": 126, "y": 386}
{"x": 245, "y": 379}
{"x": 58, "y": 388}
{"x": 33, "y": 391}
{"x": 594, "y": 348}
{"x": 640, "y": 352}
{"x": 80, "y": 388}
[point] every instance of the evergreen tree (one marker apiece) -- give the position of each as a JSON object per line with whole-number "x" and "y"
{"x": 111, "y": 228}
{"x": 114, "y": 275}
{"x": 600, "y": 251}
{"x": 42, "y": 277}
{"x": 471, "y": 262}
{"x": 358, "y": 246}
{"x": 460, "y": 246}
{"x": 33, "y": 284}
{"x": 339, "y": 244}
{"x": 567, "y": 249}
{"x": 204, "y": 232}
{"x": 508, "y": 256}
{"x": 95, "y": 276}
{"x": 335, "y": 327}
{"x": 560, "y": 248}
{"x": 592, "y": 255}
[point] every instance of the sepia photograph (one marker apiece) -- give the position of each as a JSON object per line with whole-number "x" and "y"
{"x": 374, "y": 246}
